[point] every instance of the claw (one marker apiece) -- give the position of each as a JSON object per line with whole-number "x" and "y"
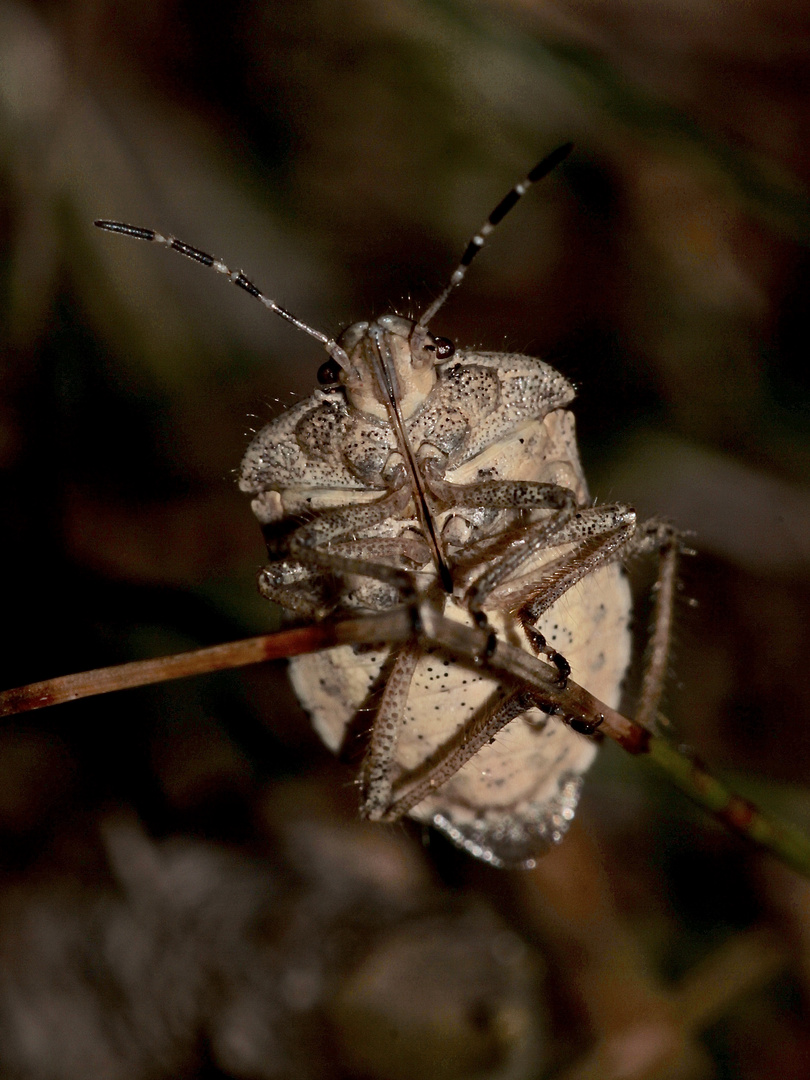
{"x": 586, "y": 727}
{"x": 562, "y": 666}
{"x": 488, "y": 650}
{"x": 539, "y": 644}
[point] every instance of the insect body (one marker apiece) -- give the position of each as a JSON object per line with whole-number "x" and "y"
{"x": 468, "y": 478}
{"x": 419, "y": 472}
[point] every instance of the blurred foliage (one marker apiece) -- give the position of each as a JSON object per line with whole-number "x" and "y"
{"x": 342, "y": 153}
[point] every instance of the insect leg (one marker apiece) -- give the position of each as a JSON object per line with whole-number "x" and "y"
{"x": 293, "y": 587}
{"x": 377, "y": 767}
{"x": 300, "y": 589}
{"x": 497, "y": 494}
{"x": 445, "y": 762}
{"x": 618, "y": 538}
{"x": 308, "y": 545}
{"x": 507, "y": 495}
{"x": 665, "y": 538}
{"x": 601, "y": 533}
{"x": 390, "y": 550}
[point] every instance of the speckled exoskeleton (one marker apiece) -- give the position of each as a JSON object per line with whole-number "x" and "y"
{"x": 419, "y": 470}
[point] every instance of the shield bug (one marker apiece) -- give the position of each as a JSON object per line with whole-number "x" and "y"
{"x": 422, "y": 473}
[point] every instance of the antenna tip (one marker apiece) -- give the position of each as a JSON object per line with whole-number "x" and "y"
{"x": 550, "y": 162}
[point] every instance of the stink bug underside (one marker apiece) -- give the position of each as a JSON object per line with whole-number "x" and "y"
{"x": 418, "y": 474}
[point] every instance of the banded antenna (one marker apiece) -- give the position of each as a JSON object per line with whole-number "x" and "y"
{"x": 235, "y": 276}
{"x": 541, "y": 169}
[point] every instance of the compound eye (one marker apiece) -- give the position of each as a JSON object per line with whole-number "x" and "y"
{"x": 329, "y": 372}
{"x": 444, "y": 348}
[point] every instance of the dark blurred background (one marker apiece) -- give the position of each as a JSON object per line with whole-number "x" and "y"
{"x": 341, "y": 154}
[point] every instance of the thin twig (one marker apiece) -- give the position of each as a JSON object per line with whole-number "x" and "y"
{"x": 573, "y": 703}
{"x": 391, "y": 626}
